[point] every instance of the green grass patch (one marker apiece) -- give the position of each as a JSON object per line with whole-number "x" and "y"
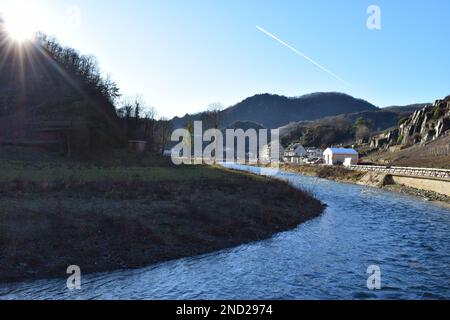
{"x": 38, "y": 172}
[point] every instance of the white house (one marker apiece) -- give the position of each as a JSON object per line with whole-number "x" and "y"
{"x": 295, "y": 150}
{"x": 295, "y": 153}
{"x": 340, "y": 156}
{"x": 266, "y": 153}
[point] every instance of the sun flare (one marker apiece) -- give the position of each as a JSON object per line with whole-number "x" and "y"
{"x": 20, "y": 32}
{"x": 20, "y": 23}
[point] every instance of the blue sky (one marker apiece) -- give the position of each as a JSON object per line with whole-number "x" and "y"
{"x": 182, "y": 55}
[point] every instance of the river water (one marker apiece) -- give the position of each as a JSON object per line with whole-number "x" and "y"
{"x": 325, "y": 258}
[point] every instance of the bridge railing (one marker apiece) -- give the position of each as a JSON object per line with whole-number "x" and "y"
{"x": 405, "y": 171}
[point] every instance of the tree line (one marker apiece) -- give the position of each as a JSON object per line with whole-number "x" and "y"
{"x": 141, "y": 123}
{"x": 83, "y": 67}
{"x": 140, "y": 120}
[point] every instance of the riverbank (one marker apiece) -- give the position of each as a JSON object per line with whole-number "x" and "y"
{"x": 408, "y": 237}
{"x": 382, "y": 181}
{"x": 104, "y": 217}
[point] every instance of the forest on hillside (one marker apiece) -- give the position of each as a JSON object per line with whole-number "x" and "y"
{"x": 46, "y": 86}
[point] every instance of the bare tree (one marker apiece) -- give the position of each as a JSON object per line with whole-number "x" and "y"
{"x": 138, "y": 106}
{"x": 141, "y": 122}
{"x": 150, "y": 125}
{"x": 363, "y": 129}
{"x": 215, "y": 111}
{"x": 125, "y": 109}
{"x": 163, "y": 131}
{"x": 362, "y": 133}
{"x": 212, "y": 117}
{"x": 84, "y": 68}
{"x": 130, "y": 110}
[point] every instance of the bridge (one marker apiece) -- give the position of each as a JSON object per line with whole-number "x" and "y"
{"x": 441, "y": 174}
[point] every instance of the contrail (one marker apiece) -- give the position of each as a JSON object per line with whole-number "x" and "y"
{"x": 304, "y": 56}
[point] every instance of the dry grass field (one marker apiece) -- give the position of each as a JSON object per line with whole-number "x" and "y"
{"x": 108, "y": 216}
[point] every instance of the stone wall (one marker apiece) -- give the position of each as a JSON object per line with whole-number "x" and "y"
{"x": 438, "y": 186}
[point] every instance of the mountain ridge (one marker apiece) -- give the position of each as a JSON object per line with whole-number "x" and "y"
{"x": 273, "y": 111}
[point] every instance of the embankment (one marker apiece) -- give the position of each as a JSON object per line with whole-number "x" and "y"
{"x": 326, "y": 172}
{"x": 434, "y": 185}
{"x": 428, "y": 188}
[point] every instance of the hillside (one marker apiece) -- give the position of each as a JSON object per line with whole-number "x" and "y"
{"x": 407, "y": 109}
{"x": 423, "y": 126}
{"x": 421, "y": 139}
{"x": 273, "y": 111}
{"x": 245, "y": 125}
{"x": 53, "y": 97}
{"x": 435, "y": 154}
{"x": 339, "y": 129}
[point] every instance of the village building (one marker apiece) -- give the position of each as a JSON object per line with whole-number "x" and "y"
{"x": 340, "y": 156}
{"x": 266, "y": 153}
{"x": 295, "y": 154}
{"x": 314, "y": 153}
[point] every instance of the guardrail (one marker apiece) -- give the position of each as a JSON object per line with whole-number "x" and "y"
{"x": 406, "y": 171}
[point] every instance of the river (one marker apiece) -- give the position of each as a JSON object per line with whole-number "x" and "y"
{"x": 325, "y": 258}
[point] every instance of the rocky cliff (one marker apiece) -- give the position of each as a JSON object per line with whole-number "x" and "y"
{"x": 423, "y": 126}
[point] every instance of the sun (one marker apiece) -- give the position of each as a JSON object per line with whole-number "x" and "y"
{"x": 20, "y": 31}
{"x": 20, "y": 23}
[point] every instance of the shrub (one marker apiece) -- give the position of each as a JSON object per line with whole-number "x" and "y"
{"x": 438, "y": 113}
{"x": 402, "y": 121}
